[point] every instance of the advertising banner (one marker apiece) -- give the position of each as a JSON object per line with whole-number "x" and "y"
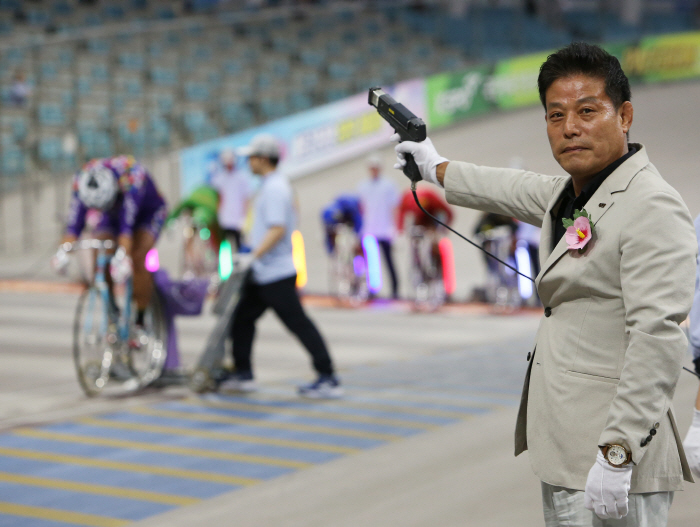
{"x": 339, "y": 131}
{"x": 312, "y": 140}
{"x": 455, "y": 96}
{"x": 663, "y": 58}
{"x": 514, "y": 81}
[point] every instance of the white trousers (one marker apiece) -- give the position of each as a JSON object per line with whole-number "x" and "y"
{"x": 564, "y": 508}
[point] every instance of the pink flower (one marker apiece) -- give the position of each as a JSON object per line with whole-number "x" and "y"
{"x": 579, "y": 235}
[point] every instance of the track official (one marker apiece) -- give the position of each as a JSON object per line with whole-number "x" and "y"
{"x": 273, "y": 278}
{"x": 618, "y": 254}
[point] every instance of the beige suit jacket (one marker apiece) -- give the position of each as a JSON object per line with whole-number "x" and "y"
{"x": 608, "y": 355}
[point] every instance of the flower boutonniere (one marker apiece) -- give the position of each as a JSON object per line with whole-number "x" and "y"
{"x": 579, "y": 230}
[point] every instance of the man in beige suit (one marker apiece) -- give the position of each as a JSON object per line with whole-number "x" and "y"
{"x": 618, "y": 256}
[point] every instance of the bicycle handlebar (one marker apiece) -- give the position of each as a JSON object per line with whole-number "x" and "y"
{"x": 88, "y": 244}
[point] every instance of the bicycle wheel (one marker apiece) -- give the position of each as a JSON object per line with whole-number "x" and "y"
{"x": 94, "y": 336}
{"x": 147, "y": 349}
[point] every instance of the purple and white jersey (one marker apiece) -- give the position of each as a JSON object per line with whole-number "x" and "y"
{"x": 136, "y": 206}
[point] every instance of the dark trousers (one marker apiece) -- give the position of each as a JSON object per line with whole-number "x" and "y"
{"x": 386, "y": 251}
{"x": 282, "y": 297}
{"x": 235, "y": 236}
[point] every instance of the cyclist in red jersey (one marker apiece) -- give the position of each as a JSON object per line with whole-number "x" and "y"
{"x": 431, "y": 201}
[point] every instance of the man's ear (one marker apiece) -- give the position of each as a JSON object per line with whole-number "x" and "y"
{"x": 626, "y": 114}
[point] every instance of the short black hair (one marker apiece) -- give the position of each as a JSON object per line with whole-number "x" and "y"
{"x": 587, "y": 59}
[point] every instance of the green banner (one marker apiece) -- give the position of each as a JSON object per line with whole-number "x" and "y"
{"x": 456, "y": 95}
{"x": 663, "y": 58}
{"x": 514, "y": 81}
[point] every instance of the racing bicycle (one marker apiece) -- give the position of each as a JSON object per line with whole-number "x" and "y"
{"x": 110, "y": 355}
{"x": 348, "y": 270}
{"x": 426, "y": 269}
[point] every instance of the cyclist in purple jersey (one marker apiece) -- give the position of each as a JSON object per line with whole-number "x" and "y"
{"x": 133, "y": 213}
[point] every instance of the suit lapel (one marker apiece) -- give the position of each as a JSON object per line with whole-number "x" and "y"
{"x": 597, "y": 206}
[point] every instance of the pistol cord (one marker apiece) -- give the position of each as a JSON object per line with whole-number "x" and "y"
{"x": 415, "y": 197}
{"x": 691, "y": 371}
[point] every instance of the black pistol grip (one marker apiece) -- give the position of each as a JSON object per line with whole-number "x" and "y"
{"x": 411, "y": 169}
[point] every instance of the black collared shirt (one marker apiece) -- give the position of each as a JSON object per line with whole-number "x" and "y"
{"x": 571, "y": 202}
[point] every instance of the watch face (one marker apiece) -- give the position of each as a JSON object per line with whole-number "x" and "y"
{"x": 616, "y": 455}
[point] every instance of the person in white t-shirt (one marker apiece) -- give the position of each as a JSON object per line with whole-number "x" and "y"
{"x": 380, "y": 198}
{"x": 234, "y": 194}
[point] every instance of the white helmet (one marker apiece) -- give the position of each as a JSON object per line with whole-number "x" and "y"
{"x": 97, "y": 187}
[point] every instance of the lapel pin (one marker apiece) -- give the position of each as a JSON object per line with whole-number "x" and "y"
{"x": 601, "y": 205}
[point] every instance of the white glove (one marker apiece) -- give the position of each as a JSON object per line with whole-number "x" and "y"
{"x": 607, "y": 489}
{"x": 243, "y": 261}
{"x": 121, "y": 266}
{"x": 691, "y": 445}
{"x": 59, "y": 261}
{"x": 424, "y": 154}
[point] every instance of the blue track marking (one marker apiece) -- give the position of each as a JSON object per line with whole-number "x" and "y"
{"x": 127, "y": 480}
{"x": 7, "y": 520}
{"x": 216, "y": 445}
{"x": 249, "y": 430}
{"x": 201, "y": 447}
{"x": 283, "y": 418}
{"x": 79, "y": 502}
{"x": 217, "y": 466}
{"x": 343, "y": 408}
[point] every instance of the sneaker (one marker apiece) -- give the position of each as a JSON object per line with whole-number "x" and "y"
{"x": 325, "y": 387}
{"x": 239, "y": 381}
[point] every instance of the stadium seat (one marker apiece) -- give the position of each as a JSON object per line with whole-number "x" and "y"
{"x": 12, "y": 161}
{"x": 236, "y": 115}
{"x": 131, "y": 60}
{"x": 272, "y": 108}
{"x": 51, "y": 114}
{"x": 163, "y": 75}
{"x": 196, "y": 91}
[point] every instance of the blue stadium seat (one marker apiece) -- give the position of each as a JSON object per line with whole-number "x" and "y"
{"x": 6, "y": 28}
{"x": 51, "y": 114}
{"x": 233, "y": 66}
{"x": 131, "y": 60}
{"x": 37, "y": 17}
{"x": 61, "y": 7}
{"x": 165, "y": 12}
{"x": 158, "y": 132}
{"x": 12, "y": 161}
{"x": 336, "y": 93}
{"x": 163, "y": 76}
{"x": 273, "y": 108}
{"x": 98, "y": 46}
{"x": 196, "y": 91}
{"x": 236, "y": 115}
{"x": 340, "y": 71}
{"x": 134, "y": 142}
{"x": 265, "y": 80}
{"x": 202, "y": 52}
{"x": 49, "y": 149}
{"x": 312, "y": 57}
{"x": 48, "y": 71}
{"x": 84, "y": 85}
{"x": 199, "y": 127}
{"x": 300, "y": 101}
{"x": 10, "y": 6}
{"x": 131, "y": 86}
{"x": 113, "y": 12}
{"x": 164, "y": 102}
